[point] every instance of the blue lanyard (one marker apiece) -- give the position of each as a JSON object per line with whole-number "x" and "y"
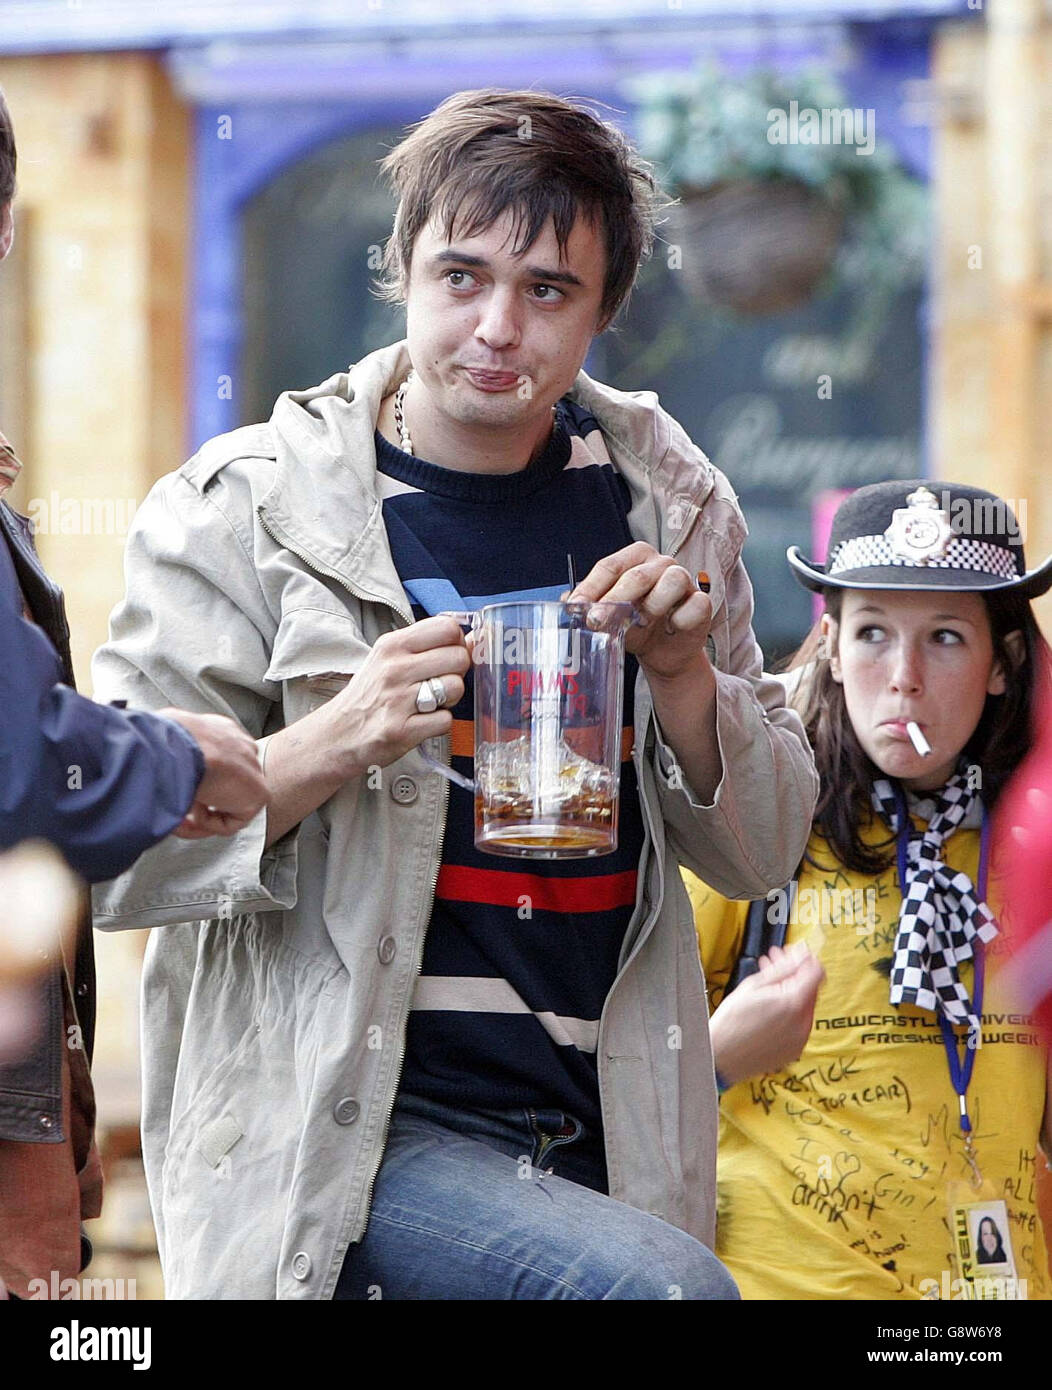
{"x": 960, "y": 1072}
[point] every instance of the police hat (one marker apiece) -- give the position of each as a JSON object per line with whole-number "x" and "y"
{"x": 918, "y": 535}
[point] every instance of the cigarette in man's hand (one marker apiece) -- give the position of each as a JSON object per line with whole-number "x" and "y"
{"x": 918, "y": 740}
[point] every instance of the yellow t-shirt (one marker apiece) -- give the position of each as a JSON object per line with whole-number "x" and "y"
{"x": 833, "y": 1174}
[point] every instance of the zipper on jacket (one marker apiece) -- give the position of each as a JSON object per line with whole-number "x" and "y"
{"x": 680, "y": 541}
{"x": 644, "y": 931}
{"x": 650, "y": 848}
{"x": 320, "y": 568}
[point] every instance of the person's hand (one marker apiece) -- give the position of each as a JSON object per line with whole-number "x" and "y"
{"x": 675, "y": 615}
{"x": 374, "y": 720}
{"x": 232, "y": 790}
{"x": 764, "y": 1024}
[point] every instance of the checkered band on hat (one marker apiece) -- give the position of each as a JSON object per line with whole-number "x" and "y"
{"x": 865, "y": 552}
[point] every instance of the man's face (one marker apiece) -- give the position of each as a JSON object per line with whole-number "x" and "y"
{"x": 495, "y": 338}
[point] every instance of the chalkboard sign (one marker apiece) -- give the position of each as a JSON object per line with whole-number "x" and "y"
{"x": 789, "y": 406}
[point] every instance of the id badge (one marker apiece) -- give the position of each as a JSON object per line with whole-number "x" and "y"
{"x": 982, "y": 1248}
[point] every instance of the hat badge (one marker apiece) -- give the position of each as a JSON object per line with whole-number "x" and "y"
{"x": 919, "y": 532}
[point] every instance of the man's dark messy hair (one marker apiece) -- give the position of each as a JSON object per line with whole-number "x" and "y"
{"x": 483, "y": 152}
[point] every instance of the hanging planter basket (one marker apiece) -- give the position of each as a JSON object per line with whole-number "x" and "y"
{"x": 756, "y": 246}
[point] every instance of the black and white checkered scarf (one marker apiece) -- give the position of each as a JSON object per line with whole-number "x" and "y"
{"x": 941, "y": 909}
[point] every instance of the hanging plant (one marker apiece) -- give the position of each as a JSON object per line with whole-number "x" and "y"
{"x": 779, "y": 184}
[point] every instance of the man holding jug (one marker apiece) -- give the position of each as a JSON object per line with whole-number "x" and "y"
{"x": 378, "y": 1062}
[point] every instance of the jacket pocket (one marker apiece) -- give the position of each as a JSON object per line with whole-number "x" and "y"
{"x": 326, "y": 683}
{"x": 316, "y": 643}
{"x": 216, "y": 1139}
{"x": 317, "y": 649}
{"x": 228, "y": 1173}
{"x": 184, "y": 1127}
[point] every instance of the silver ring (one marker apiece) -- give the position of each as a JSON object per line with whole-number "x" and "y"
{"x": 430, "y": 695}
{"x": 425, "y": 699}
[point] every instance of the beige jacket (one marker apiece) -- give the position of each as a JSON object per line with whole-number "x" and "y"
{"x": 275, "y": 999}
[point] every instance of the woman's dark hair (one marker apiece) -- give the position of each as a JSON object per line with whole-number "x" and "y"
{"x": 999, "y": 744}
{"x": 996, "y": 1256}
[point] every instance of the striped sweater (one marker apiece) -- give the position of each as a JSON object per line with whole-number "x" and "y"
{"x": 520, "y": 954}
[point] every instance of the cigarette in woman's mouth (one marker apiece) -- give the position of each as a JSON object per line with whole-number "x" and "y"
{"x": 918, "y": 740}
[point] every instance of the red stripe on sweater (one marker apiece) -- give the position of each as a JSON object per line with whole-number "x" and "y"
{"x": 599, "y": 894}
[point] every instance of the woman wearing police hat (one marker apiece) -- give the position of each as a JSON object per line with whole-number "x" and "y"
{"x": 921, "y": 1092}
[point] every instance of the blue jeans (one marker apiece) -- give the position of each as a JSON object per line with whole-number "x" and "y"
{"x": 512, "y": 1204}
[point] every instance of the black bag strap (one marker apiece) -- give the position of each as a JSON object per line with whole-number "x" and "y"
{"x": 766, "y": 925}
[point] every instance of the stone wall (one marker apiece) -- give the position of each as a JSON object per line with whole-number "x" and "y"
{"x": 94, "y": 300}
{"x": 101, "y": 219}
{"x": 990, "y": 397}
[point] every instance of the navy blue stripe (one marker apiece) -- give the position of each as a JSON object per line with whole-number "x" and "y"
{"x": 442, "y": 1052}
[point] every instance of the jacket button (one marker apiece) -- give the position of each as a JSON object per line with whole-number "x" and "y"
{"x": 82, "y": 989}
{"x": 301, "y": 1265}
{"x": 45, "y": 1122}
{"x": 386, "y": 948}
{"x": 404, "y": 791}
{"x": 346, "y": 1111}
